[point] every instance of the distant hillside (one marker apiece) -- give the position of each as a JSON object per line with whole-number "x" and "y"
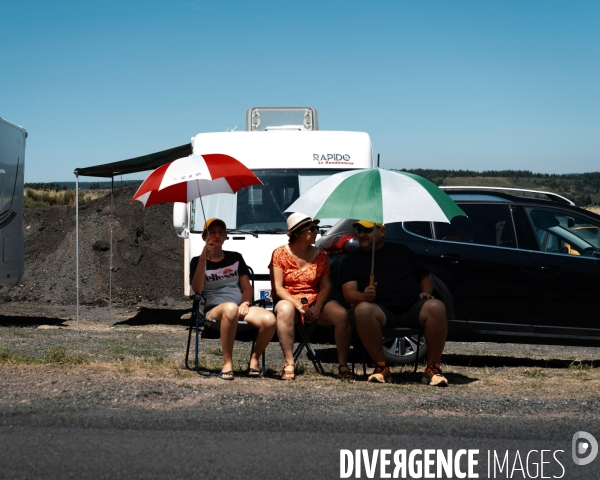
{"x": 583, "y": 188}
{"x": 59, "y": 186}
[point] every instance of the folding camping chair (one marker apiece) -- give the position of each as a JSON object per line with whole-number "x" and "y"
{"x": 198, "y": 323}
{"x": 305, "y": 331}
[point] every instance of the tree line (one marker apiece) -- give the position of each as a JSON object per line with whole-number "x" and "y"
{"x": 61, "y": 186}
{"x": 582, "y": 188}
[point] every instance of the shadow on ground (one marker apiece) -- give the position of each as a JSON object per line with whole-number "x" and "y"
{"x": 15, "y": 321}
{"x": 156, "y": 316}
{"x": 494, "y": 361}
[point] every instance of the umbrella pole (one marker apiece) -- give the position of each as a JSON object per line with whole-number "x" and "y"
{"x": 202, "y": 207}
{"x": 77, "y": 242}
{"x": 203, "y": 215}
{"x": 110, "y": 262}
{"x": 372, "y": 277}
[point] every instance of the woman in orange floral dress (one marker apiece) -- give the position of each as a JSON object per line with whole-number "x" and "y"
{"x": 302, "y": 285}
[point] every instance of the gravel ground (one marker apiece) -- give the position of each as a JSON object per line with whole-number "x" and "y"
{"x": 133, "y": 360}
{"x": 128, "y": 360}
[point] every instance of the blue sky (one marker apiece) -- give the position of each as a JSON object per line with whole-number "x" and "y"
{"x": 480, "y": 85}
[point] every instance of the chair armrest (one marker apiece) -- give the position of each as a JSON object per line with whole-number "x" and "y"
{"x": 198, "y": 308}
{"x": 259, "y": 303}
{"x": 197, "y": 298}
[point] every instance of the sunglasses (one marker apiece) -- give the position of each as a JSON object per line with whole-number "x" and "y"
{"x": 215, "y": 233}
{"x": 360, "y": 229}
{"x": 312, "y": 228}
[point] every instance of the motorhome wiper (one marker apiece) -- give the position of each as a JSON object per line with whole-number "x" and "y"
{"x": 245, "y": 232}
{"x": 272, "y": 230}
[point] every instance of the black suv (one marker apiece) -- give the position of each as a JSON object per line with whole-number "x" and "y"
{"x": 516, "y": 270}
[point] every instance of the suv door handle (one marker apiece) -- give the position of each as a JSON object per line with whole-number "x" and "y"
{"x": 552, "y": 269}
{"x": 452, "y": 258}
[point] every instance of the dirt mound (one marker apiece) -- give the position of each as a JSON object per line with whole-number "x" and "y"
{"x": 147, "y": 255}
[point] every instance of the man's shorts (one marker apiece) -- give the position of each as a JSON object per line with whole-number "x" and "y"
{"x": 408, "y": 318}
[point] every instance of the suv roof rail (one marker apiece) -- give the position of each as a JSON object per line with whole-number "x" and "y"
{"x": 552, "y": 196}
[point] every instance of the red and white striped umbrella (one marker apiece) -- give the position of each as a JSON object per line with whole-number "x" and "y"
{"x": 195, "y": 176}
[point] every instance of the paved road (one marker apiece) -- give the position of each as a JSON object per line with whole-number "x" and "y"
{"x": 109, "y": 443}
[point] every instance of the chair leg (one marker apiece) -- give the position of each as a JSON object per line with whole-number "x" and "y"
{"x": 305, "y": 343}
{"x": 196, "y": 324}
{"x": 196, "y": 367}
{"x": 189, "y": 342}
{"x": 417, "y": 353}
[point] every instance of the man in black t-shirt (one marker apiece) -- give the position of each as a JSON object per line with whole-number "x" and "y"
{"x": 400, "y": 296}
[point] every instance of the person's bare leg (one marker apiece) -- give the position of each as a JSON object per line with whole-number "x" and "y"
{"x": 334, "y": 314}
{"x": 433, "y": 320}
{"x": 286, "y": 317}
{"x": 266, "y": 324}
{"x": 229, "y": 321}
{"x": 227, "y": 314}
{"x": 369, "y": 320}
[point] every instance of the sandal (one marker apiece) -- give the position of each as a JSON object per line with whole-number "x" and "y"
{"x": 344, "y": 372}
{"x": 253, "y": 373}
{"x": 289, "y": 372}
{"x": 226, "y": 375}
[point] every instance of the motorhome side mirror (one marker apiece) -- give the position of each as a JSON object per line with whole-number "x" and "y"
{"x": 180, "y": 219}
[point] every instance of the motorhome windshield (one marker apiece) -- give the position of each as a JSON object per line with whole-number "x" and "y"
{"x": 259, "y": 208}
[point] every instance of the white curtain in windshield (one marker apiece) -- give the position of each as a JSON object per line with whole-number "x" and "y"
{"x": 220, "y": 205}
{"x": 307, "y": 181}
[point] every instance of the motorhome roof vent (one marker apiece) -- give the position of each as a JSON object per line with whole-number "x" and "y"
{"x": 287, "y": 127}
{"x": 281, "y": 118}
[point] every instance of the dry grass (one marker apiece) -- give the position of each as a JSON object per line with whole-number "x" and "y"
{"x": 49, "y": 198}
{"x": 594, "y": 209}
{"x": 57, "y": 355}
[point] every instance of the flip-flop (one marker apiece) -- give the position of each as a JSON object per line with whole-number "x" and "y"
{"x": 226, "y": 375}
{"x": 253, "y": 373}
{"x": 345, "y": 373}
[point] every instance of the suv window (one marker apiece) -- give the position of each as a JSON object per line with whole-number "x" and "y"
{"x": 486, "y": 224}
{"x": 419, "y": 228}
{"x": 564, "y": 232}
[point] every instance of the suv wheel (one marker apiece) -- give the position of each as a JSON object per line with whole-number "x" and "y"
{"x": 402, "y": 350}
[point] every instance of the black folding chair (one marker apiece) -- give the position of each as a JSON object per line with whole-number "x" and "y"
{"x": 198, "y": 323}
{"x": 305, "y": 331}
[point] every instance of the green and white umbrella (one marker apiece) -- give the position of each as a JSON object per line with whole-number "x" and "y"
{"x": 380, "y": 196}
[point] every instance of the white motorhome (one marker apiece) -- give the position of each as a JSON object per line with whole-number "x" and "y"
{"x": 288, "y": 153}
{"x": 12, "y": 162}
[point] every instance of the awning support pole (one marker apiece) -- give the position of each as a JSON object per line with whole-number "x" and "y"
{"x": 112, "y": 184}
{"x": 77, "y": 242}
